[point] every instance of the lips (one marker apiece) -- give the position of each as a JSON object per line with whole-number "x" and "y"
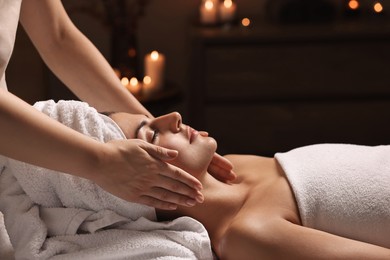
{"x": 192, "y": 133}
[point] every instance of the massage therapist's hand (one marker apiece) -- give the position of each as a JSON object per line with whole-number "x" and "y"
{"x": 220, "y": 167}
{"x": 134, "y": 170}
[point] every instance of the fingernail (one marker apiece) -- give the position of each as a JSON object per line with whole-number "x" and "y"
{"x": 173, "y": 206}
{"x": 172, "y": 153}
{"x": 191, "y": 203}
{"x": 199, "y": 198}
{"x": 198, "y": 187}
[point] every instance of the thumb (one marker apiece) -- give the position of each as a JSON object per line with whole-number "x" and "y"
{"x": 159, "y": 152}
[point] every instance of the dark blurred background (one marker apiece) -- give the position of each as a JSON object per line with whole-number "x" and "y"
{"x": 302, "y": 72}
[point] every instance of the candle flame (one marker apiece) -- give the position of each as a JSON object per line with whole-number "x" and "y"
{"x": 154, "y": 55}
{"x": 147, "y": 80}
{"x": 209, "y": 4}
{"x": 228, "y": 3}
{"x": 245, "y": 22}
{"x": 133, "y": 81}
{"x": 378, "y": 7}
{"x": 134, "y": 87}
{"x": 125, "y": 81}
{"x": 353, "y": 4}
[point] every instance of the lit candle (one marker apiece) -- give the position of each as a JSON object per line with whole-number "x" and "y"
{"x": 378, "y": 7}
{"x": 154, "y": 68}
{"x": 208, "y": 12}
{"x": 148, "y": 88}
{"x": 353, "y": 4}
{"x": 125, "y": 81}
{"x": 227, "y": 11}
{"x": 246, "y": 22}
{"x": 134, "y": 86}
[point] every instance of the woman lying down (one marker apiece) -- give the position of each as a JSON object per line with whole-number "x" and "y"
{"x": 326, "y": 201}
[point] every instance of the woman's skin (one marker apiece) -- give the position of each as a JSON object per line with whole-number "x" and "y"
{"x": 253, "y": 217}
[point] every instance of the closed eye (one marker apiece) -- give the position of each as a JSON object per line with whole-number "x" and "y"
{"x": 154, "y": 137}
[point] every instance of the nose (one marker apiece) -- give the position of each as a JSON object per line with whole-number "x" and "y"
{"x": 171, "y": 122}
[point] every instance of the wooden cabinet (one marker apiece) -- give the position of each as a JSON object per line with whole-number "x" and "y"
{"x": 273, "y": 88}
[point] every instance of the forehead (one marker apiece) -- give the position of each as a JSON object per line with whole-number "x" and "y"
{"x": 130, "y": 123}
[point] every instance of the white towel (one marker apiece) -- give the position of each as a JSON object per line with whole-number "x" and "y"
{"x": 54, "y": 215}
{"x": 342, "y": 189}
{"x": 51, "y": 189}
{"x": 6, "y": 250}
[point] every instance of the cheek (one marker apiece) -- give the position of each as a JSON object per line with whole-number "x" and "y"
{"x": 194, "y": 158}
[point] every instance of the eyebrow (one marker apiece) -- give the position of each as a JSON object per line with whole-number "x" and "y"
{"x": 143, "y": 122}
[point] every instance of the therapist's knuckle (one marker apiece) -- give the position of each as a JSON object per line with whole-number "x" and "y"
{"x": 177, "y": 174}
{"x": 164, "y": 195}
{"x": 160, "y": 150}
{"x": 175, "y": 186}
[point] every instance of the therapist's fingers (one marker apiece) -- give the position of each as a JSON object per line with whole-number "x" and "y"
{"x": 171, "y": 185}
{"x": 179, "y": 180}
{"x": 171, "y": 190}
{"x": 221, "y": 162}
{"x": 169, "y": 170}
{"x": 221, "y": 174}
{"x": 168, "y": 193}
{"x": 159, "y": 152}
{"x": 221, "y": 168}
{"x": 167, "y": 199}
{"x": 156, "y": 203}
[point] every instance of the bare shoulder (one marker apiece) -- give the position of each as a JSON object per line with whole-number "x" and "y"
{"x": 239, "y": 160}
{"x": 251, "y": 239}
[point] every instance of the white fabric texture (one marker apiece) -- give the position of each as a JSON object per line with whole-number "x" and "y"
{"x": 9, "y": 18}
{"x": 342, "y": 189}
{"x": 53, "y": 215}
{"x": 6, "y": 250}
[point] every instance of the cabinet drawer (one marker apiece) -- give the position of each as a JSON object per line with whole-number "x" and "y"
{"x": 304, "y": 70}
{"x": 268, "y": 128}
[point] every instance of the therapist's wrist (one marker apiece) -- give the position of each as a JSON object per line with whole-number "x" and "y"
{"x": 94, "y": 161}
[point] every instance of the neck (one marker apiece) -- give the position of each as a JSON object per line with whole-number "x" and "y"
{"x": 214, "y": 211}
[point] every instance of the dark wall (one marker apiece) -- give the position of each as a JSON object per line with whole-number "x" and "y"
{"x": 166, "y": 27}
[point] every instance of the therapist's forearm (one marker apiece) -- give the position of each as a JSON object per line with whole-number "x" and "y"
{"x": 74, "y": 59}
{"x": 85, "y": 71}
{"x": 30, "y": 136}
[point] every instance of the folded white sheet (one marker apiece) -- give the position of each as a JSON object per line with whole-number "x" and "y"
{"x": 53, "y": 215}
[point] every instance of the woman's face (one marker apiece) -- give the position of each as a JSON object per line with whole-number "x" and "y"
{"x": 195, "y": 150}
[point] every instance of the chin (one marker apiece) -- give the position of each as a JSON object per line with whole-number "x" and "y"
{"x": 213, "y": 144}
{"x": 197, "y": 160}
{"x": 209, "y": 147}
